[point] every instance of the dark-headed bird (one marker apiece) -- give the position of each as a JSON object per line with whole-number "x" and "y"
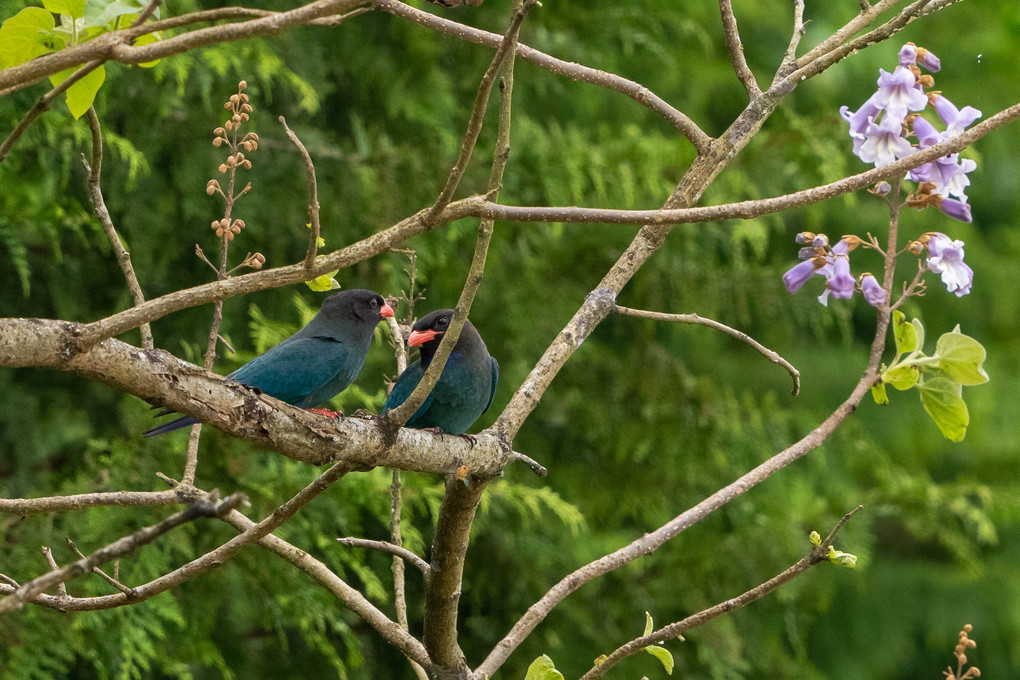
{"x": 316, "y": 363}
{"x": 466, "y": 386}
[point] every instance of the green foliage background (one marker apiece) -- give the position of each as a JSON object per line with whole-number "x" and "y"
{"x": 646, "y": 420}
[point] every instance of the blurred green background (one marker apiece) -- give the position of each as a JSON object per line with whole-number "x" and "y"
{"x": 646, "y": 420}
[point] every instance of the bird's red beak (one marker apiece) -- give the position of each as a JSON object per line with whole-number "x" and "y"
{"x": 421, "y": 337}
{"x": 386, "y": 311}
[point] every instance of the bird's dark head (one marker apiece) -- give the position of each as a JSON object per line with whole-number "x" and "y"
{"x": 430, "y": 328}
{"x": 357, "y": 303}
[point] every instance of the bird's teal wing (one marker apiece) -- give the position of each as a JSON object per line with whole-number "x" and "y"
{"x": 402, "y": 389}
{"x": 495, "y": 379}
{"x": 294, "y": 369}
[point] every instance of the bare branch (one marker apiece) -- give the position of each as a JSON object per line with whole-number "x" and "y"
{"x": 790, "y": 56}
{"x": 211, "y": 506}
{"x": 639, "y": 93}
{"x": 31, "y": 506}
{"x": 736, "y": 50}
{"x": 817, "y": 555}
{"x": 313, "y": 196}
{"x": 401, "y": 553}
{"x": 112, "y": 580}
{"x": 99, "y": 206}
{"x": 769, "y": 354}
{"x": 62, "y": 586}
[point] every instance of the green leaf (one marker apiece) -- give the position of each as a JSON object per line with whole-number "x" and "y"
{"x": 878, "y": 393}
{"x": 905, "y": 333}
{"x": 543, "y": 668}
{"x": 648, "y": 624}
{"x": 81, "y": 95}
{"x": 664, "y": 657}
{"x": 843, "y": 559}
{"x": 815, "y": 538}
{"x": 941, "y": 399}
{"x": 902, "y": 378}
{"x": 76, "y": 8}
{"x": 25, "y": 36}
{"x": 960, "y": 357}
{"x": 324, "y": 282}
{"x": 104, "y": 12}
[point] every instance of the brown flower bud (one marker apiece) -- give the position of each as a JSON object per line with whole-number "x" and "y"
{"x": 219, "y": 131}
{"x": 239, "y": 224}
{"x": 218, "y": 142}
{"x": 210, "y": 188}
{"x": 243, "y": 84}
{"x": 215, "y": 225}
{"x": 256, "y": 261}
{"x": 244, "y": 117}
{"x": 246, "y": 108}
{"x": 967, "y": 627}
{"x": 223, "y": 168}
{"x": 244, "y": 98}
{"x": 247, "y": 165}
{"x": 228, "y": 106}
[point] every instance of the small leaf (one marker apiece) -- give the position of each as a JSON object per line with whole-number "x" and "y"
{"x": 324, "y": 282}
{"x": 76, "y": 8}
{"x": 663, "y": 655}
{"x": 879, "y": 395}
{"x": 320, "y": 242}
{"x": 25, "y": 36}
{"x": 81, "y": 95}
{"x": 902, "y": 378}
{"x": 843, "y": 559}
{"x": 904, "y": 333}
{"x": 941, "y": 399}
{"x": 815, "y": 538}
{"x": 543, "y": 668}
{"x": 960, "y": 357}
{"x": 919, "y": 331}
{"x": 648, "y": 625}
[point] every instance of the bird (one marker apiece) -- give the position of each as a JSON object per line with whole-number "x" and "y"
{"x": 465, "y": 388}
{"x": 316, "y": 363}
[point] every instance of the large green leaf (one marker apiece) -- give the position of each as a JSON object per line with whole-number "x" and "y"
{"x": 103, "y": 12}
{"x": 25, "y": 36}
{"x": 76, "y": 8}
{"x": 902, "y": 378}
{"x": 960, "y": 357}
{"x": 81, "y": 95}
{"x": 941, "y": 399}
{"x": 543, "y": 668}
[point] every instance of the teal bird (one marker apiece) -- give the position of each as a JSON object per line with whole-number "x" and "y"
{"x": 466, "y": 386}
{"x": 316, "y": 363}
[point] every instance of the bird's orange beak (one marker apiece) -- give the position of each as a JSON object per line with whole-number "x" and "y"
{"x": 386, "y": 311}
{"x": 421, "y": 337}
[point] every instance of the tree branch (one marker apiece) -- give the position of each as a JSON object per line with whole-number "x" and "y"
{"x": 398, "y": 551}
{"x": 769, "y": 354}
{"x": 210, "y": 506}
{"x": 639, "y": 93}
{"x": 313, "y": 196}
{"x": 817, "y": 555}
{"x": 736, "y": 49}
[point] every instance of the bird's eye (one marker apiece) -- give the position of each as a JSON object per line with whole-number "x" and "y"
{"x": 442, "y": 321}
{"x": 375, "y": 303}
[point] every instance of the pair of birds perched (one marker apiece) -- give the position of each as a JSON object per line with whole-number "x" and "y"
{"x": 323, "y": 358}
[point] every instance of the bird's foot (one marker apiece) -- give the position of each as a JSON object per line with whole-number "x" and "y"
{"x": 326, "y": 412}
{"x": 472, "y": 439}
{"x": 434, "y": 430}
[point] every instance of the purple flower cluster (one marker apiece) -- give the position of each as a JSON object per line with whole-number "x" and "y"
{"x": 945, "y": 257}
{"x": 879, "y": 130}
{"x": 834, "y": 264}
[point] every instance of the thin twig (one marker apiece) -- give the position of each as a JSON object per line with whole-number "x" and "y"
{"x": 400, "y": 552}
{"x": 61, "y": 587}
{"x": 639, "y": 93}
{"x": 790, "y": 56}
{"x": 818, "y": 555}
{"x": 99, "y": 206}
{"x": 769, "y": 354}
{"x": 507, "y": 49}
{"x": 208, "y": 507}
{"x": 736, "y": 50}
{"x": 313, "y": 196}
{"x": 30, "y": 506}
{"x": 112, "y": 580}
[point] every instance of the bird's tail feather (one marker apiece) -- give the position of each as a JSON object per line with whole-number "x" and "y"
{"x": 171, "y": 426}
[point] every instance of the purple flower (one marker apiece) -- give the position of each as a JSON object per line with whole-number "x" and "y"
{"x": 885, "y": 142}
{"x": 908, "y": 55}
{"x": 928, "y": 60}
{"x": 926, "y": 133}
{"x": 838, "y": 279}
{"x": 897, "y": 94}
{"x": 956, "y": 120}
{"x": 952, "y": 177}
{"x": 873, "y": 291}
{"x": 945, "y": 257}
{"x": 958, "y": 210}
{"x": 798, "y": 275}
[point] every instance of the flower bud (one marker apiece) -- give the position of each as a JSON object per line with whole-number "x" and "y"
{"x": 256, "y": 261}
{"x": 243, "y": 84}
{"x": 228, "y": 125}
{"x": 247, "y": 165}
{"x": 235, "y": 118}
{"x": 228, "y": 106}
{"x": 222, "y": 168}
{"x": 218, "y": 142}
{"x": 219, "y": 131}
